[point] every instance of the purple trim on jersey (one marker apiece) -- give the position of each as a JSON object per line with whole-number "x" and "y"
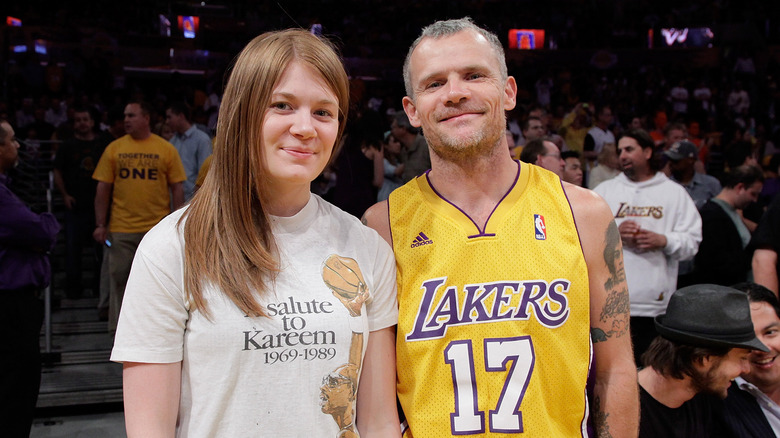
{"x": 481, "y": 230}
{"x": 389, "y": 226}
{"x": 507, "y": 382}
{"x": 574, "y": 219}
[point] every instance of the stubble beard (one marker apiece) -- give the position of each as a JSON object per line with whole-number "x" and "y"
{"x": 705, "y": 383}
{"x": 462, "y": 149}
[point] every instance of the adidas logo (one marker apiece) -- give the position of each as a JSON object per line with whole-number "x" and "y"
{"x": 421, "y": 240}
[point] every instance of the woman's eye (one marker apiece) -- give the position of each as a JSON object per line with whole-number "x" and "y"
{"x": 323, "y": 113}
{"x": 281, "y": 105}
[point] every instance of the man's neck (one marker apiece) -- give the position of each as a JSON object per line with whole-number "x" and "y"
{"x": 771, "y": 391}
{"x": 641, "y": 176}
{"x": 185, "y": 127}
{"x": 89, "y": 136}
{"x": 726, "y": 196}
{"x": 668, "y": 391}
{"x": 142, "y": 136}
{"x": 476, "y": 185}
{"x": 685, "y": 177}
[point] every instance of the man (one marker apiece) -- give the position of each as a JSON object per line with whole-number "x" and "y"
{"x": 25, "y": 239}
{"x": 473, "y": 239}
{"x": 414, "y": 155}
{"x": 572, "y": 168}
{"x": 598, "y": 136}
{"x": 752, "y": 408}
{"x": 193, "y": 145}
{"x": 73, "y": 167}
{"x": 706, "y": 336}
{"x": 532, "y": 129}
{"x": 659, "y": 226}
{"x": 766, "y": 242}
{"x": 723, "y": 257}
{"x": 674, "y": 132}
{"x": 544, "y": 154}
{"x": 135, "y": 174}
{"x": 682, "y": 157}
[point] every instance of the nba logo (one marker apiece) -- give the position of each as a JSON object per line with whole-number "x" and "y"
{"x": 539, "y": 227}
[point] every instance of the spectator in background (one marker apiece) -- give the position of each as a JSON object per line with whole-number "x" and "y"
{"x": 572, "y": 168}
{"x": 393, "y": 168}
{"x": 359, "y": 169}
{"x": 606, "y": 168}
{"x": 659, "y": 226}
{"x": 414, "y": 154}
{"x": 766, "y": 245}
{"x": 164, "y": 130}
{"x": 682, "y": 159}
{"x": 705, "y": 338}
{"x": 545, "y": 154}
{"x": 752, "y": 408}
{"x": 723, "y": 257}
{"x": 25, "y": 239}
{"x": 73, "y": 167}
{"x": 193, "y": 145}
{"x": 140, "y": 176}
{"x": 599, "y": 136}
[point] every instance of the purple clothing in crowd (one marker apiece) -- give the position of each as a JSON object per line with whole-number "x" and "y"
{"x": 25, "y": 238}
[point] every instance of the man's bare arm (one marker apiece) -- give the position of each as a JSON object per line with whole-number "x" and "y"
{"x": 102, "y": 201}
{"x": 378, "y": 218}
{"x": 765, "y": 268}
{"x": 615, "y": 403}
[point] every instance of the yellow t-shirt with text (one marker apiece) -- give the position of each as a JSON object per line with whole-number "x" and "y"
{"x": 140, "y": 171}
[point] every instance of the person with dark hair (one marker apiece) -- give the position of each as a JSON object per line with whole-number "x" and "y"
{"x": 659, "y": 226}
{"x": 414, "y": 154}
{"x": 599, "y": 136}
{"x": 544, "y": 154}
{"x": 705, "y": 338}
{"x": 25, "y": 240}
{"x": 752, "y": 408}
{"x": 193, "y": 145}
{"x": 73, "y": 166}
{"x": 572, "y": 168}
{"x": 766, "y": 246}
{"x": 140, "y": 176}
{"x": 682, "y": 157}
{"x": 359, "y": 169}
{"x": 740, "y": 153}
{"x": 724, "y": 257}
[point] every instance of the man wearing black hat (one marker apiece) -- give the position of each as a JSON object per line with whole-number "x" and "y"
{"x": 682, "y": 157}
{"x": 705, "y": 339}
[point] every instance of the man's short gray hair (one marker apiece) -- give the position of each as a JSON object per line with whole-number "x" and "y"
{"x": 446, "y": 28}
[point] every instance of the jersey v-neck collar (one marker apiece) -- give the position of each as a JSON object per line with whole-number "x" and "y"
{"x": 447, "y": 208}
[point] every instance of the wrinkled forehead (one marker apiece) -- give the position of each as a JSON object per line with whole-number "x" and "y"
{"x": 460, "y": 50}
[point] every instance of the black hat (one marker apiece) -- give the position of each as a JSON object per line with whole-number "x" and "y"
{"x": 681, "y": 149}
{"x": 708, "y": 315}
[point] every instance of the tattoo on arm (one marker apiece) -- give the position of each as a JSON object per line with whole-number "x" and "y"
{"x": 600, "y": 419}
{"x": 616, "y": 311}
{"x": 364, "y": 221}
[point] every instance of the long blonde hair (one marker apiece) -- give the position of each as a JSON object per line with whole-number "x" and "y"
{"x": 227, "y": 233}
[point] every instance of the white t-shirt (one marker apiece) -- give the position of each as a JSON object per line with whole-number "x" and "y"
{"x": 265, "y": 376}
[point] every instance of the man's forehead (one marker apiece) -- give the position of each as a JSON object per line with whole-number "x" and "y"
{"x": 430, "y": 47}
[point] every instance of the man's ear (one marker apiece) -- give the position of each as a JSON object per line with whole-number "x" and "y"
{"x": 510, "y": 93}
{"x": 411, "y": 111}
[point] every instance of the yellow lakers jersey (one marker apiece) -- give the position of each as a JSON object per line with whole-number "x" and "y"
{"x": 493, "y": 330}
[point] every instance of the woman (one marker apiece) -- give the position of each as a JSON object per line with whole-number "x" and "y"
{"x": 261, "y": 310}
